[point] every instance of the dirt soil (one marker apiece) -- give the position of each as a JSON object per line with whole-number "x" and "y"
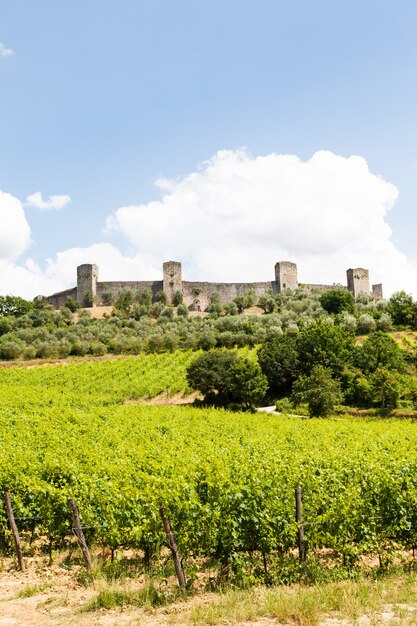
{"x": 47, "y": 595}
{"x": 55, "y": 598}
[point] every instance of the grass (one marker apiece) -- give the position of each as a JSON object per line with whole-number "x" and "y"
{"x": 32, "y": 590}
{"x": 149, "y": 596}
{"x": 308, "y": 606}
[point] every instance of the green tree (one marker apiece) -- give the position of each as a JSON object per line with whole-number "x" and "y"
{"x": 278, "y": 360}
{"x": 319, "y": 391}
{"x": 323, "y": 343}
{"x": 386, "y": 388}
{"x": 71, "y": 304}
{"x": 402, "y": 309}
{"x": 124, "y": 301}
{"x": 337, "y": 300}
{"x": 225, "y": 378}
{"x": 380, "y": 350}
{"x": 107, "y": 298}
{"x": 178, "y": 298}
{"x": 14, "y": 305}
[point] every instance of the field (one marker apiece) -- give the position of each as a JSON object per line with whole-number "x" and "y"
{"x": 226, "y": 479}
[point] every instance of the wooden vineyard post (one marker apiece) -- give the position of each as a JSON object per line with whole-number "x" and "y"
{"x": 300, "y": 525}
{"x": 14, "y": 530}
{"x": 78, "y": 531}
{"x": 174, "y": 548}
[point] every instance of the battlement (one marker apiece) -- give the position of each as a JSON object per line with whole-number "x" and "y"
{"x": 196, "y": 295}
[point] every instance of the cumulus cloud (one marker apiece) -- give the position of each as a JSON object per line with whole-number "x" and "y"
{"x": 232, "y": 219}
{"x": 15, "y": 230}
{"x": 237, "y": 215}
{"x": 5, "y": 52}
{"x": 54, "y": 203}
{"x": 28, "y": 279}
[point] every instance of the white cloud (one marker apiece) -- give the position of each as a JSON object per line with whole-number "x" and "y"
{"x": 14, "y": 230}
{"x": 28, "y": 279}
{"x": 237, "y": 215}
{"x": 54, "y": 203}
{"x": 5, "y": 52}
{"x": 231, "y": 220}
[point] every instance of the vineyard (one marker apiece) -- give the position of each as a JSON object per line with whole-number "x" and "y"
{"x": 227, "y": 479}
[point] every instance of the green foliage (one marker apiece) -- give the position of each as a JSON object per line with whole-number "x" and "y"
{"x": 322, "y": 343}
{"x": 402, "y": 309}
{"x": 385, "y": 386}
{"x": 88, "y": 300}
{"x": 225, "y": 378}
{"x": 356, "y": 388}
{"x": 267, "y": 302}
{"x": 178, "y": 298}
{"x": 161, "y": 297}
{"x": 6, "y": 325}
{"x": 366, "y": 323}
{"x": 124, "y": 301}
{"x": 319, "y": 391}
{"x": 144, "y": 298}
{"x": 182, "y": 310}
{"x": 380, "y": 350}
{"x": 337, "y": 300}
{"x": 71, "y": 304}
{"x": 13, "y": 305}
{"x": 279, "y": 360}
{"x": 227, "y": 479}
{"x": 107, "y": 298}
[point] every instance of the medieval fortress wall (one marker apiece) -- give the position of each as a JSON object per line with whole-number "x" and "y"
{"x": 196, "y": 295}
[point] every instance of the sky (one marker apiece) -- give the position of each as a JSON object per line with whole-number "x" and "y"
{"x": 225, "y": 134}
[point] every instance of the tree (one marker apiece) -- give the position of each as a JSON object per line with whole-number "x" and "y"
{"x": 71, "y": 304}
{"x": 107, "y": 298}
{"x": 225, "y": 378}
{"x": 323, "y": 343}
{"x": 402, "y": 309}
{"x": 386, "y": 388}
{"x": 178, "y": 298}
{"x": 319, "y": 391}
{"x": 124, "y": 301}
{"x": 380, "y": 350}
{"x": 337, "y": 300}
{"x": 14, "y": 305}
{"x": 279, "y": 362}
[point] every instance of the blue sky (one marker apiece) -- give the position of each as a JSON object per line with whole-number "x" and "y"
{"x": 101, "y": 99}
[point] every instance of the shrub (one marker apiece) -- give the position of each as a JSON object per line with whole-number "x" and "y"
{"x": 161, "y": 297}
{"x": 224, "y": 379}
{"x": 88, "y": 300}
{"x": 278, "y": 360}
{"x": 319, "y": 391}
{"x": 178, "y": 298}
{"x": 182, "y": 310}
{"x": 6, "y": 325}
{"x": 107, "y": 298}
{"x": 11, "y": 349}
{"x": 337, "y": 300}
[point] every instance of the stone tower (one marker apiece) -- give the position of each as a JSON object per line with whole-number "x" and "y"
{"x": 286, "y": 275}
{"x": 87, "y": 277}
{"x": 172, "y": 277}
{"x": 377, "y": 292}
{"x": 358, "y": 281}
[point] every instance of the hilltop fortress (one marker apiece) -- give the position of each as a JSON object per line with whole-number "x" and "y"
{"x": 196, "y": 295}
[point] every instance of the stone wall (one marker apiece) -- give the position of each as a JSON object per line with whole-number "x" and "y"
{"x": 311, "y": 287}
{"x": 59, "y": 299}
{"x": 196, "y": 295}
{"x": 115, "y": 287}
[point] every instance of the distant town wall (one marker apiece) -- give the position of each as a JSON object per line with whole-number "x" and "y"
{"x": 196, "y": 295}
